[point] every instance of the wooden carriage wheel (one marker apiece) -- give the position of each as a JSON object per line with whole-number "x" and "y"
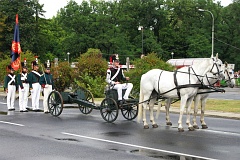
{"x": 109, "y": 110}
{"x": 87, "y": 96}
{"x": 130, "y": 111}
{"x": 55, "y": 103}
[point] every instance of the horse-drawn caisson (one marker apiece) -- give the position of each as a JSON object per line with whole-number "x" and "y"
{"x": 183, "y": 84}
{"x": 109, "y": 107}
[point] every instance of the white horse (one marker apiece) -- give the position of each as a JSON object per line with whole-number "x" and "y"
{"x": 208, "y": 80}
{"x": 229, "y": 78}
{"x": 182, "y": 84}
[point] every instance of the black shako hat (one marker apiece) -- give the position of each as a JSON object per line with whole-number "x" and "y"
{"x": 35, "y": 63}
{"x": 24, "y": 63}
{"x": 47, "y": 65}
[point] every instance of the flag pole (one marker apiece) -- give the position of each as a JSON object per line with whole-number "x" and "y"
{"x": 16, "y": 48}
{"x": 19, "y": 54}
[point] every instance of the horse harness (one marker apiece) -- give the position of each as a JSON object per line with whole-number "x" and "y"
{"x": 201, "y": 85}
{"x": 178, "y": 87}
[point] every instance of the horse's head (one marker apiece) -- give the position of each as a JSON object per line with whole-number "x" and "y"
{"x": 217, "y": 67}
{"x": 229, "y": 76}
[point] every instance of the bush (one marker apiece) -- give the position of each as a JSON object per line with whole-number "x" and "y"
{"x": 91, "y": 70}
{"x": 63, "y": 76}
{"x": 94, "y": 85}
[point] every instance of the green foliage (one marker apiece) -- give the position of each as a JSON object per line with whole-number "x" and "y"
{"x": 2, "y": 29}
{"x": 91, "y": 69}
{"x": 28, "y": 14}
{"x": 151, "y": 61}
{"x": 92, "y": 63}
{"x": 63, "y": 76}
{"x": 3, "y": 64}
{"x": 112, "y": 27}
{"x": 94, "y": 85}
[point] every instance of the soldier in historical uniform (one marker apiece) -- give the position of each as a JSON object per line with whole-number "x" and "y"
{"x": 23, "y": 87}
{"x": 46, "y": 81}
{"x": 115, "y": 77}
{"x": 10, "y": 86}
{"x": 34, "y": 86}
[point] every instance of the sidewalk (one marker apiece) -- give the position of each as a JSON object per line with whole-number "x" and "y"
{"x": 208, "y": 113}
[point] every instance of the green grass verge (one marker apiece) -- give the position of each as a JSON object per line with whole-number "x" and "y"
{"x": 219, "y": 105}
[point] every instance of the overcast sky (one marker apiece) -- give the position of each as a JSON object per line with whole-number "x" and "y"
{"x": 52, "y": 6}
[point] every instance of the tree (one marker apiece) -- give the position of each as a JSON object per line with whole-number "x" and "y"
{"x": 28, "y": 12}
{"x": 228, "y": 34}
{"x": 2, "y": 30}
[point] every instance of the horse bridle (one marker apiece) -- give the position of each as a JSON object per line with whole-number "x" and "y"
{"x": 218, "y": 71}
{"x": 211, "y": 84}
{"x": 229, "y": 78}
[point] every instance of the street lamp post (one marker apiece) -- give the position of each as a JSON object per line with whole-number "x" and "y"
{"x": 202, "y": 10}
{"x": 140, "y": 28}
{"x": 68, "y": 57}
{"x": 172, "y": 54}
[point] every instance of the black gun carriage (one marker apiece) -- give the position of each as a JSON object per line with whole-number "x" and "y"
{"x": 109, "y": 108}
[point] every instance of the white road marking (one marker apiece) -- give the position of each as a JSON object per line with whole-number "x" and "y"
{"x": 137, "y": 146}
{"x": 2, "y": 103}
{"x": 221, "y": 132}
{"x": 16, "y": 124}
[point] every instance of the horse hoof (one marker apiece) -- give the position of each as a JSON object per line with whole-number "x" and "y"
{"x": 191, "y": 128}
{"x": 196, "y": 127}
{"x": 146, "y": 127}
{"x": 204, "y": 126}
{"x": 169, "y": 123}
{"x": 180, "y": 130}
{"x": 155, "y": 126}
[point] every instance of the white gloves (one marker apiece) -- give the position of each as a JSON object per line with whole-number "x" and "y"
{"x": 23, "y": 90}
{"x": 46, "y": 86}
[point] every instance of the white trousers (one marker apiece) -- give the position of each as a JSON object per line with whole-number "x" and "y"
{"x": 23, "y": 97}
{"x": 35, "y": 95}
{"x": 11, "y": 96}
{"x": 46, "y": 92}
{"x": 120, "y": 87}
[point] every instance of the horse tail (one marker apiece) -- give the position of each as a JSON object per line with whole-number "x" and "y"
{"x": 158, "y": 109}
{"x": 140, "y": 105}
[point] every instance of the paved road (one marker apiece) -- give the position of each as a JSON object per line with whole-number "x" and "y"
{"x": 230, "y": 94}
{"x": 76, "y": 136}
